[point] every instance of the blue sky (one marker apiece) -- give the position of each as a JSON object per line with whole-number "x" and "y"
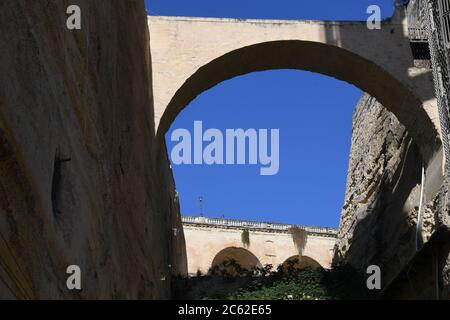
{"x": 313, "y": 113}
{"x": 269, "y": 9}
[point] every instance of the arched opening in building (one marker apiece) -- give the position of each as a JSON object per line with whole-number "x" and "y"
{"x": 325, "y": 59}
{"x": 319, "y": 60}
{"x": 239, "y": 191}
{"x": 300, "y": 262}
{"x": 315, "y": 138}
{"x": 234, "y": 261}
{"x": 396, "y": 95}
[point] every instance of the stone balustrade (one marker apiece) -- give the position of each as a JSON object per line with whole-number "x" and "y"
{"x": 256, "y": 225}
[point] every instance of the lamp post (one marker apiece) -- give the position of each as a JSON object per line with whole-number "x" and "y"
{"x": 200, "y": 202}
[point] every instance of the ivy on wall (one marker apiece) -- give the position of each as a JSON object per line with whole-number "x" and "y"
{"x": 300, "y": 237}
{"x": 245, "y": 237}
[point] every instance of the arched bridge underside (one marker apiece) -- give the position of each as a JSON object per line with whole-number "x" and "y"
{"x": 191, "y": 55}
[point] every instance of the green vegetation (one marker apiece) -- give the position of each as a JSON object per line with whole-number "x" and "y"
{"x": 245, "y": 238}
{"x": 306, "y": 284}
{"x": 300, "y": 237}
{"x": 231, "y": 281}
{"x": 230, "y": 269}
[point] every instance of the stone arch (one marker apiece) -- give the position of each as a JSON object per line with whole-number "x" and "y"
{"x": 326, "y": 59}
{"x": 246, "y": 259}
{"x": 302, "y": 262}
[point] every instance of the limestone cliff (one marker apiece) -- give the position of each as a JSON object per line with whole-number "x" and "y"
{"x": 378, "y": 222}
{"x": 81, "y": 179}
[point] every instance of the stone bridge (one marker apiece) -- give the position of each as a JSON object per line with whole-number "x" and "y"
{"x": 210, "y": 241}
{"x": 191, "y": 55}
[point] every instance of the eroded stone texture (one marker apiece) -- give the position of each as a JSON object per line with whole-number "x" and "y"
{"x": 80, "y": 180}
{"x": 378, "y": 222}
{"x": 380, "y": 214}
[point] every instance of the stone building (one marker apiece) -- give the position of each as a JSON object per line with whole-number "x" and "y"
{"x": 210, "y": 241}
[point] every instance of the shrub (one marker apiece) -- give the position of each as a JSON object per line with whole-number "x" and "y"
{"x": 245, "y": 238}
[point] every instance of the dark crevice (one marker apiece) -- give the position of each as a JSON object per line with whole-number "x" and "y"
{"x": 57, "y": 184}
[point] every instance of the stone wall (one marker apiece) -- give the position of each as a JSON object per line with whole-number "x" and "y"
{"x": 205, "y": 242}
{"x": 378, "y": 222}
{"x": 415, "y": 12}
{"x": 81, "y": 179}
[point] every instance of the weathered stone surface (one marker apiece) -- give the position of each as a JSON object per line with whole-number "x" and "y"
{"x": 380, "y": 214}
{"x": 81, "y": 180}
{"x": 378, "y": 222}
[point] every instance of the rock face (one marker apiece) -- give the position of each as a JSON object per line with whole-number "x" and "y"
{"x": 380, "y": 215}
{"x": 378, "y": 222}
{"x": 82, "y": 181}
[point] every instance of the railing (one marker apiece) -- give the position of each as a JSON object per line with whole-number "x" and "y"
{"x": 418, "y": 34}
{"x": 256, "y": 225}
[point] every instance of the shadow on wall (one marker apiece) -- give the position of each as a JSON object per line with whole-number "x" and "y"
{"x": 61, "y": 97}
{"x": 378, "y": 221}
{"x": 300, "y": 262}
{"x": 230, "y": 258}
